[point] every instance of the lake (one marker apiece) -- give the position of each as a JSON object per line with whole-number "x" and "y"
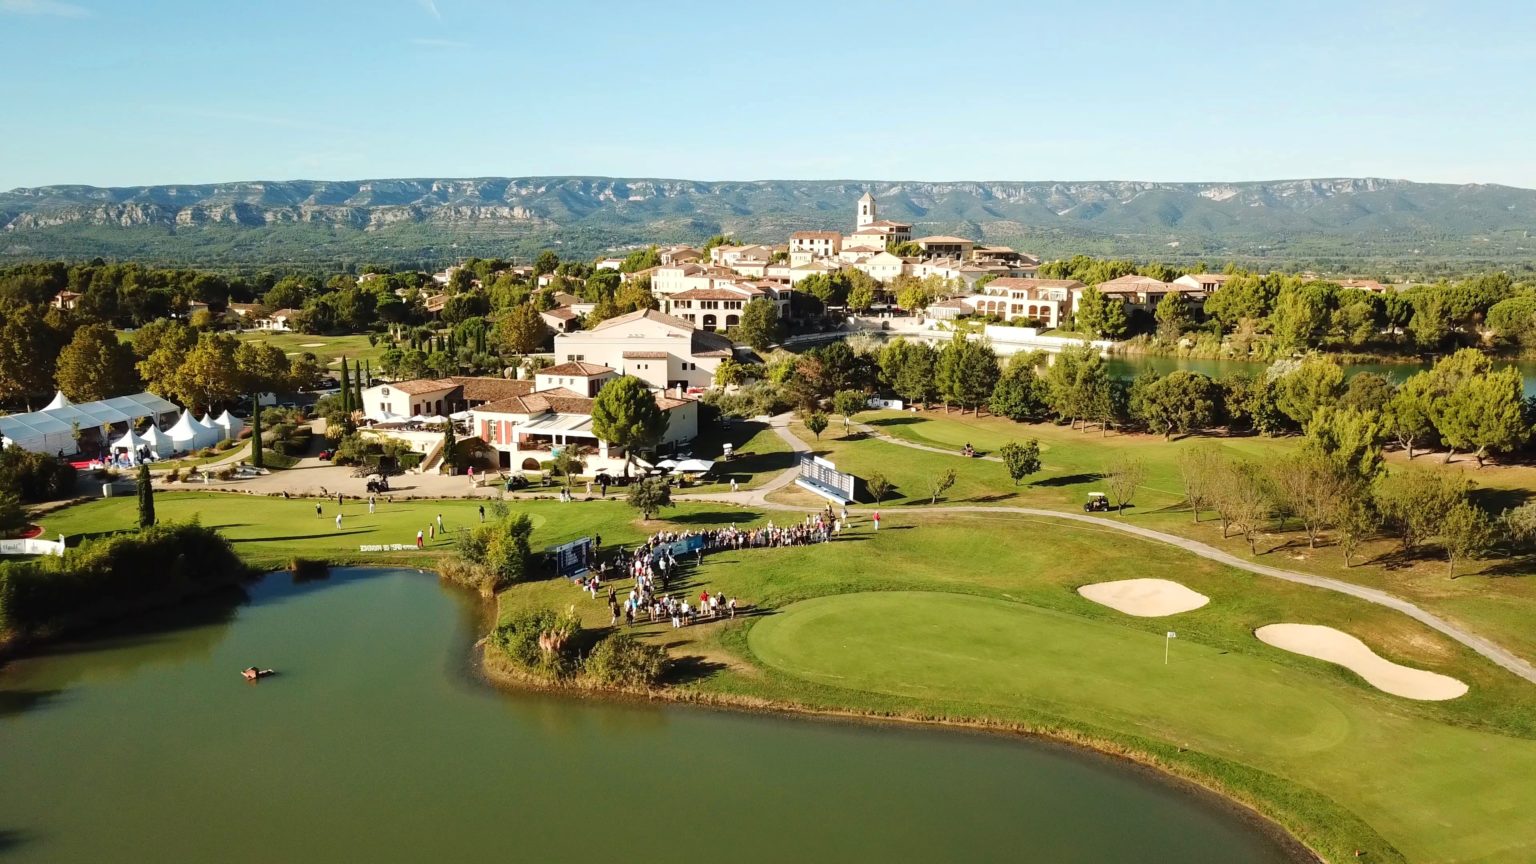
{"x": 378, "y": 742}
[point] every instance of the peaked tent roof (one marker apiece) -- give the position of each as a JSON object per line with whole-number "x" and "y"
{"x": 129, "y": 441}
{"x": 59, "y": 401}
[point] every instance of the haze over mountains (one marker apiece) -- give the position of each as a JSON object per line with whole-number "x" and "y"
{"x": 1337, "y": 223}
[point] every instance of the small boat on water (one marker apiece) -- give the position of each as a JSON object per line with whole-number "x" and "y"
{"x": 251, "y": 673}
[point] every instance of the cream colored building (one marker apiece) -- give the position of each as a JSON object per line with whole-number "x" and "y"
{"x": 663, "y": 350}
{"x": 1048, "y": 301}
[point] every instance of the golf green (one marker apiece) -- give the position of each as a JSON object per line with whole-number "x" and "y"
{"x": 1410, "y": 777}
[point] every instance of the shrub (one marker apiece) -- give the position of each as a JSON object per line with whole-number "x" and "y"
{"x": 540, "y": 641}
{"x": 226, "y": 473}
{"x": 207, "y": 451}
{"x": 226, "y": 445}
{"x": 245, "y": 433}
{"x": 35, "y": 476}
{"x": 621, "y": 660}
{"x": 174, "y": 476}
{"x": 102, "y": 577}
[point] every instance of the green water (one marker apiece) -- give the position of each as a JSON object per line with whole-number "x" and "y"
{"x": 1130, "y": 365}
{"x": 377, "y": 743}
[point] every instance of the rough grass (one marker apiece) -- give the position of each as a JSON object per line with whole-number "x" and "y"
{"x": 1495, "y": 597}
{"x": 988, "y": 628}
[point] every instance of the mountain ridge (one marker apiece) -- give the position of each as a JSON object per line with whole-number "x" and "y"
{"x": 1369, "y": 219}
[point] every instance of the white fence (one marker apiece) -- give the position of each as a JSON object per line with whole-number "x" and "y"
{"x": 32, "y": 547}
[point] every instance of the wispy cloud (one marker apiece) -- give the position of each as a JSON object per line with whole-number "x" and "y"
{"x": 54, "y": 8}
{"x": 431, "y": 6}
{"x": 440, "y": 43}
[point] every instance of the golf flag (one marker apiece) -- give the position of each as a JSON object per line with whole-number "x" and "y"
{"x": 1172, "y": 635}
{"x": 1166, "y": 643}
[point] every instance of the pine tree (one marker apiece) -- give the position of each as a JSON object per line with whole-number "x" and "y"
{"x": 146, "y": 498}
{"x": 256, "y": 453}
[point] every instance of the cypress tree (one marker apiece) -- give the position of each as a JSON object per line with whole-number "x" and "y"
{"x": 146, "y": 498}
{"x": 346, "y": 389}
{"x": 256, "y": 453}
{"x": 357, "y": 390}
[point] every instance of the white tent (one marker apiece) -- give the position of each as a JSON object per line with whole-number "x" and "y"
{"x": 694, "y": 466}
{"x": 207, "y": 421}
{"x": 37, "y": 432}
{"x": 59, "y": 401}
{"x": 159, "y": 443}
{"x": 229, "y": 424}
{"x": 130, "y": 442}
{"x": 188, "y": 434}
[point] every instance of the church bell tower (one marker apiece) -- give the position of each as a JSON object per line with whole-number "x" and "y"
{"x": 866, "y": 210}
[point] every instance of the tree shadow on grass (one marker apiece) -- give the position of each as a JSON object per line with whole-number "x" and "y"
{"x": 1498, "y": 500}
{"x": 342, "y": 533}
{"x": 10, "y": 839}
{"x": 886, "y": 422}
{"x": 691, "y": 669}
{"x": 712, "y": 517}
{"x": 994, "y": 498}
{"x": 1069, "y": 480}
{"x": 1399, "y": 559}
{"x": 1520, "y": 565}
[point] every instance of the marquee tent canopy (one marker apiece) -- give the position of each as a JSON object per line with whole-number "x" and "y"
{"x": 53, "y": 428}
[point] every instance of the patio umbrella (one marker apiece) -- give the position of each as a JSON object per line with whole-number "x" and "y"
{"x": 667, "y": 463}
{"x": 694, "y": 466}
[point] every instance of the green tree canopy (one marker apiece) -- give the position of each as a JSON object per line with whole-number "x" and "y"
{"x": 625, "y": 414}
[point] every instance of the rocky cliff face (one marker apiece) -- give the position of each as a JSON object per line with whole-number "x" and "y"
{"x": 1349, "y": 215}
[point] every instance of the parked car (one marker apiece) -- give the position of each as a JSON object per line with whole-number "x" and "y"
{"x": 327, "y": 455}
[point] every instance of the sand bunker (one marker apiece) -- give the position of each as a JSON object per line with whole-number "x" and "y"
{"x": 311, "y": 344}
{"x": 1145, "y": 598}
{"x": 1336, "y": 646}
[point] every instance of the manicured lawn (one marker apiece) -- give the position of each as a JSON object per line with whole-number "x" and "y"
{"x": 271, "y": 531}
{"x": 1492, "y": 598}
{"x": 327, "y": 349}
{"x": 759, "y": 455}
{"x": 976, "y": 617}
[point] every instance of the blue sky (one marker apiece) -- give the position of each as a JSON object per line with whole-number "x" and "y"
{"x": 125, "y": 92}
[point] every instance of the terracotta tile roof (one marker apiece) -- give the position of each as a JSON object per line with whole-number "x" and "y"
{"x": 645, "y": 355}
{"x": 423, "y": 385}
{"x": 707, "y": 344}
{"x": 525, "y": 405}
{"x": 1014, "y": 284}
{"x": 940, "y": 238}
{"x": 285, "y": 313}
{"x": 485, "y": 389}
{"x": 646, "y": 315}
{"x": 563, "y": 313}
{"x": 561, "y": 298}
{"x": 732, "y": 293}
{"x": 577, "y": 367}
{"x": 815, "y": 235}
{"x": 667, "y": 403}
{"x": 1133, "y": 284}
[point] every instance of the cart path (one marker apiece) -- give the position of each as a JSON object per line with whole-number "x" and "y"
{"x": 1482, "y": 645}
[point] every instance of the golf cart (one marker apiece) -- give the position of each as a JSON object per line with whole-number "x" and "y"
{"x": 1097, "y": 502}
{"x": 378, "y": 483}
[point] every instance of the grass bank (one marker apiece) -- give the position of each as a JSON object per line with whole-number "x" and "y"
{"x": 975, "y": 619}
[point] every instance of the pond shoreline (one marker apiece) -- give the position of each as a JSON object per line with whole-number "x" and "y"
{"x": 1182, "y": 778}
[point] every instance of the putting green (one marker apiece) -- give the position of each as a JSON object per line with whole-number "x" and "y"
{"x": 1393, "y": 768}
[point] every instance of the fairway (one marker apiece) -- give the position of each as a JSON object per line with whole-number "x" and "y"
{"x": 268, "y": 531}
{"x": 1408, "y": 776}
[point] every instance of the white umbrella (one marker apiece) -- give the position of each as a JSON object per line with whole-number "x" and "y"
{"x": 694, "y": 466}
{"x": 435, "y": 418}
{"x": 667, "y": 463}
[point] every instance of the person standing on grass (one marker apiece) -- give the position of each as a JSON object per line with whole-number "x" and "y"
{"x": 433, "y": 531}
{"x": 733, "y": 484}
{"x": 371, "y": 502}
{"x": 338, "y": 499}
{"x": 482, "y": 512}
{"x": 319, "y": 512}
{"x": 419, "y": 542}
{"x": 338, "y": 521}
{"x": 876, "y": 520}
